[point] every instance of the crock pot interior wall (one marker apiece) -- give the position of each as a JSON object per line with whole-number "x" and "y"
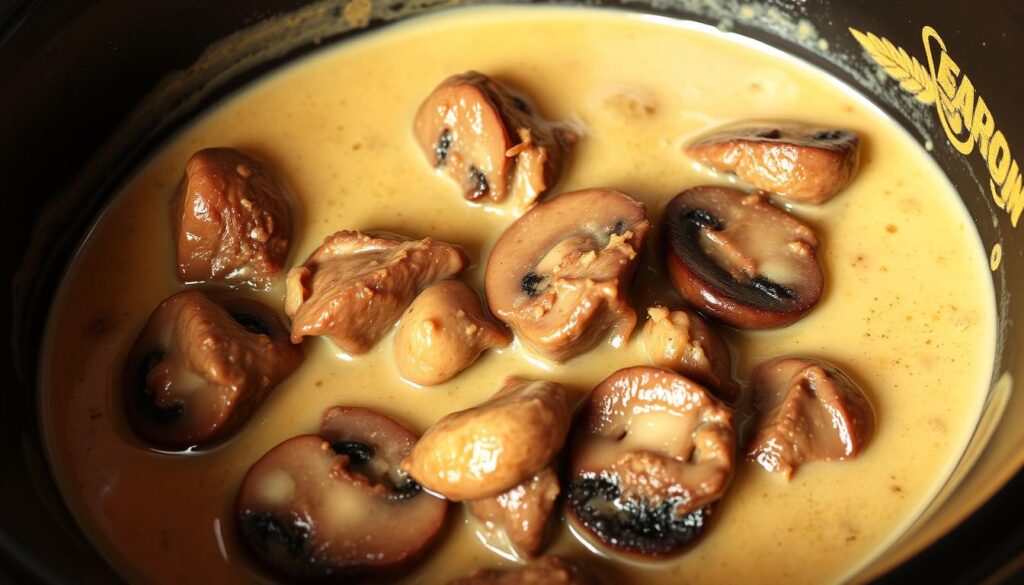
{"x": 70, "y": 72}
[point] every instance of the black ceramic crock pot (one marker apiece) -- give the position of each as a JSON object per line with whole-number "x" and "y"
{"x": 88, "y": 88}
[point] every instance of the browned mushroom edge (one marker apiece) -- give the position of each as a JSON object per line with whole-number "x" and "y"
{"x": 650, "y": 455}
{"x": 491, "y": 140}
{"x": 201, "y": 366}
{"x": 443, "y": 332}
{"x": 231, "y": 220}
{"x": 798, "y": 162}
{"x": 681, "y": 341}
{"x": 550, "y": 570}
{"x": 740, "y": 259}
{"x": 488, "y": 449}
{"x": 335, "y": 505}
{"x": 808, "y": 410}
{"x": 560, "y": 275}
{"x": 355, "y": 286}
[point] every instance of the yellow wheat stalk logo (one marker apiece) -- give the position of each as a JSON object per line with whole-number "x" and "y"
{"x": 912, "y": 75}
{"x": 965, "y": 117}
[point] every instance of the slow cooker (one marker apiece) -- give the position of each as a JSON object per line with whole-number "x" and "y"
{"x": 87, "y": 90}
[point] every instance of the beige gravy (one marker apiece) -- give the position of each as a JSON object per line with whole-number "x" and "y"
{"x": 908, "y": 309}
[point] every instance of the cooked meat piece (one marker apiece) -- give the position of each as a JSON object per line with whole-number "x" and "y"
{"x": 680, "y": 340}
{"x": 491, "y": 142}
{"x": 801, "y": 163}
{"x": 334, "y": 505}
{"x": 354, "y": 287}
{"x": 544, "y": 571}
{"x": 231, "y": 220}
{"x": 651, "y": 452}
{"x": 201, "y": 366}
{"x": 559, "y": 275}
{"x": 443, "y": 332}
{"x": 491, "y": 448}
{"x": 740, "y": 259}
{"x": 522, "y": 513}
{"x": 809, "y": 410}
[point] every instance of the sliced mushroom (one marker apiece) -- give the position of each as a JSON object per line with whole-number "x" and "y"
{"x": 740, "y": 259}
{"x": 443, "y": 332}
{"x": 335, "y": 505}
{"x": 520, "y": 516}
{"x": 801, "y": 163}
{"x": 809, "y": 410}
{"x": 544, "y": 571}
{"x": 491, "y": 448}
{"x": 231, "y": 220}
{"x": 651, "y": 452}
{"x": 490, "y": 141}
{"x": 354, "y": 287}
{"x": 680, "y": 340}
{"x": 559, "y": 275}
{"x": 200, "y": 368}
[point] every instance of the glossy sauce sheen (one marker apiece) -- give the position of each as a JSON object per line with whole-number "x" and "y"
{"x": 908, "y": 309}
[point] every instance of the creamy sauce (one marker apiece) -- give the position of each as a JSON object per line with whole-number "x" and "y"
{"x": 908, "y": 309}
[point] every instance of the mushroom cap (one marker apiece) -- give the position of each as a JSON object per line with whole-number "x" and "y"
{"x": 468, "y": 107}
{"x": 201, "y": 366}
{"x": 559, "y": 275}
{"x": 355, "y": 286}
{"x": 335, "y": 505}
{"x": 231, "y": 219}
{"x": 490, "y": 140}
{"x": 491, "y": 448}
{"x": 808, "y": 410}
{"x": 651, "y": 451}
{"x": 443, "y": 332}
{"x": 740, "y": 259}
{"x": 798, "y": 162}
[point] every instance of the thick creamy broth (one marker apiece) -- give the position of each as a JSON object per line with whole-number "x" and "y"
{"x": 908, "y": 309}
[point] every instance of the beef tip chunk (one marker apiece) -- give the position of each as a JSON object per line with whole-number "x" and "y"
{"x": 231, "y": 219}
{"x": 355, "y": 286}
{"x": 491, "y": 448}
{"x": 334, "y": 506}
{"x": 521, "y": 514}
{"x": 808, "y": 410}
{"x": 740, "y": 259}
{"x": 798, "y": 162}
{"x": 544, "y": 571}
{"x": 560, "y": 275}
{"x": 491, "y": 141}
{"x": 651, "y": 453}
{"x": 443, "y": 332}
{"x": 201, "y": 366}
{"x": 680, "y": 340}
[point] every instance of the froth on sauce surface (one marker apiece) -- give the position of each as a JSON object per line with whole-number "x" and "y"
{"x": 908, "y": 309}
